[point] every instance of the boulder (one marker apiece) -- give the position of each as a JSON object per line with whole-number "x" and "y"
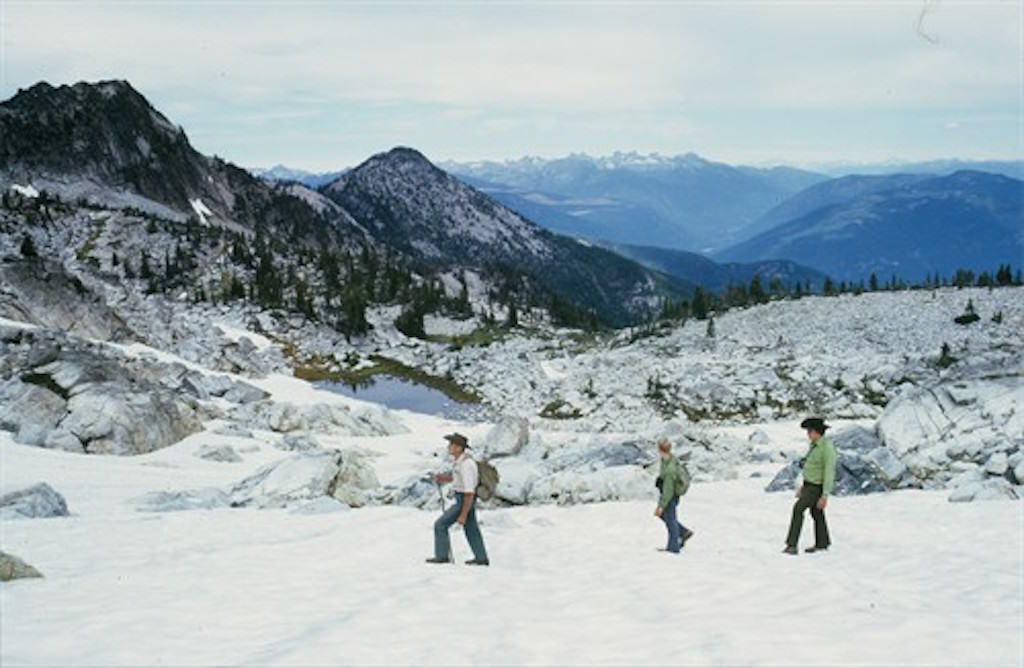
{"x": 62, "y": 439}
{"x": 1018, "y": 473}
{"x": 218, "y": 453}
{"x": 114, "y": 419}
{"x": 856, "y": 439}
{"x": 855, "y": 474}
{"x": 10, "y": 333}
{"x": 759, "y": 437}
{"x": 39, "y": 500}
{"x": 985, "y": 490}
{"x": 233, "y": 429}
{"x": 614, "y": 483}
{"x": 306, "y": 476}
{"x": 244, "y": 393}
{"x": 887, "y": 465}
{"x": 42, "y": 352}
{"x": 13, "y": 568}
{"x": 164, "y": 501}
{"x": 298, "y": 442}
{"x": 997, "y": 464}
{"x": 30, "y": 410}
{"x": 507, "y": 437}
{"x": 414, "y": 492}
{"x": 785, "y": 479}
{"x": 599, "y": 453}
{"x": 515, "y": 477}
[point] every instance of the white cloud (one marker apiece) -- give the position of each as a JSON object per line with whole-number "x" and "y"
{"x": 570, "y": 74}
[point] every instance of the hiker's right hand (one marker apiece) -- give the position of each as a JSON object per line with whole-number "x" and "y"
{"x": 442, "y": 477}
{"x": 799, "y": 491}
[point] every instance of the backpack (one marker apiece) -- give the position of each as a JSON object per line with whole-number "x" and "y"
{"x": 684, "y": 478}
{"x": 489, "y": 477}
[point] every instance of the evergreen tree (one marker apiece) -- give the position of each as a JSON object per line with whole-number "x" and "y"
{"x": 700, "y": 306}
{"x": 946, "y": 359}
{"x": 756, "y": 293}
{"x": 410, "y": 322}
{"x": 28, "y": 247}
{"x": 353, "y": 320}
{"x": 873, "y": 283}
{"x": 512, "y": 319}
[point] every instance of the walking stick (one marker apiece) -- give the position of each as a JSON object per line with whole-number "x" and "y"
{"x": 440, "y": 495}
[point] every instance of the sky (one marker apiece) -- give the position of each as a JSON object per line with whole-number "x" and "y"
{"x": 324, "y": 85}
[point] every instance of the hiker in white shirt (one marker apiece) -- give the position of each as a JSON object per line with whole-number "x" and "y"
{"x": 464, "y": 479}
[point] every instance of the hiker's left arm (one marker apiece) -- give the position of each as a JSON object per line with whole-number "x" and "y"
{"x": 467, "y": 502}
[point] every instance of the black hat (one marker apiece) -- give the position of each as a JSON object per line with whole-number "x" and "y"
{"x": 457, "y": 439}
{"x": 814, "y": 424}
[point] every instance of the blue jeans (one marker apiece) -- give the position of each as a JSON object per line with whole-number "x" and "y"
{"x": 442, "y": 546}
{"x": 675, "y": 529}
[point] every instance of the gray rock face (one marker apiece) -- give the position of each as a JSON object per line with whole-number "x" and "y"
{"x": 218, "y": 453}
{"x": 91, "y": 398}
{"x": 13, "y": 568}
{"x": 863, "y": 466}
{"x": 30, "y": 411}
{"x": 42, "y": 293}
{"x": 856, "y": 439}
{"x": 39, "y": 500}
{"x": 415, "y": 492}
{"x": 507, "y": 437}
{"x": 957, "y": 421}
{"x": 785, "y": 479}
{"x": 61, "y": 439}
{"x": 111, "y": 419}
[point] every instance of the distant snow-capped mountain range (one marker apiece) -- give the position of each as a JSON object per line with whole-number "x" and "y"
{"x": 686, "y": 202}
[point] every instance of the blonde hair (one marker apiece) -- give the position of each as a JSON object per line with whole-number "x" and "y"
{"x": 664, "y": 444}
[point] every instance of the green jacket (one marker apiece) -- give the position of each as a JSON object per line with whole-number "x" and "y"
{"x": 820, "y": 465}
{"x": 669, "y": 475}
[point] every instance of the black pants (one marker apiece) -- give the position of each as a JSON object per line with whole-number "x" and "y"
{"x": 809, "y": 495}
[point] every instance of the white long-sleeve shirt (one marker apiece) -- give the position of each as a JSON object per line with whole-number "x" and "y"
{"x": 465, "y": 475}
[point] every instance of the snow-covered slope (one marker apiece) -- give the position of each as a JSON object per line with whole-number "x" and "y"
{"x": 567, "y": 586}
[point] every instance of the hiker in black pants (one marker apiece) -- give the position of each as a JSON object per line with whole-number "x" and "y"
{"x": 819, "y": 480}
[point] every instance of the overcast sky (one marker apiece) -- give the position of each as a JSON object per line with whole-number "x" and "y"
{"x": 320, "y": 85}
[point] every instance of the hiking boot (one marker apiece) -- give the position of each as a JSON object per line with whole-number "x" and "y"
{"x": 685, "y": 537}
{"x": 790, "y": 550}
{"x": 435, "y": 560}
{"x": 474, "y": 562}
{"x": 812, "y": 550}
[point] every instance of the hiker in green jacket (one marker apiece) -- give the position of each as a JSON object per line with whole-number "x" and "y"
{"x": 670, "y": 482}
{"x": 819, "y": 480}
